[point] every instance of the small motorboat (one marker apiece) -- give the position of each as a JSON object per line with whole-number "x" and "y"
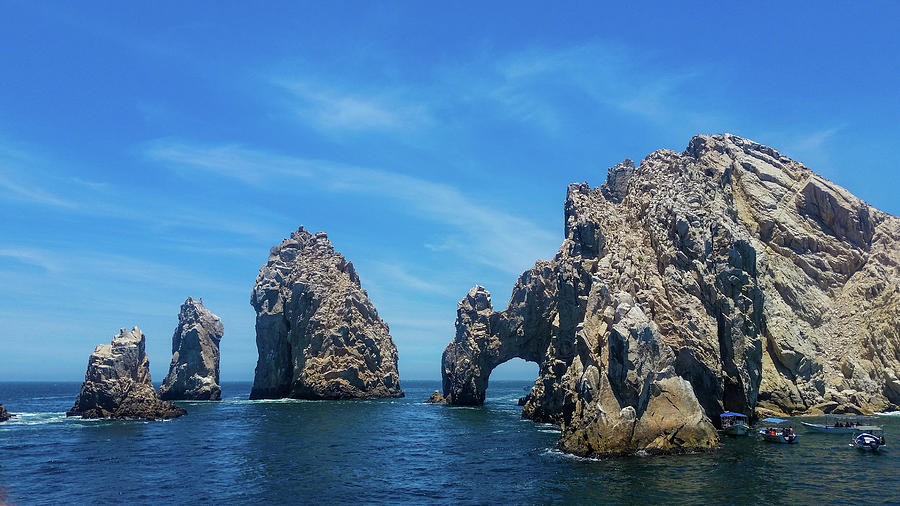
{"x": 837, "y": 424}
{"x": 778, "y": 430}
{"x": 870, "y": 438}
{"x": 734, "y": 424}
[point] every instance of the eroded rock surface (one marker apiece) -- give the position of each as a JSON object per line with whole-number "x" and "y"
{"x": 194, "y": 370}
{"x": 436, "y": 398}
{"x": 117, "y": 383}
{"x": 318, "y": 334}
{"x": 4, "y": 416}
{"x": 726, "y": 277}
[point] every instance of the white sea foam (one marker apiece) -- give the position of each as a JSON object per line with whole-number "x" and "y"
{"x": 555, "y": 453}
{"x": 889, "y": 413}
{"x": 256, "y": 401}
{"x": 550, "y": 431}
{"x": 36, "y": 418}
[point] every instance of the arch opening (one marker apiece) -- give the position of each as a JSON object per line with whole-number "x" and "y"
{"x": 511, "y": 381}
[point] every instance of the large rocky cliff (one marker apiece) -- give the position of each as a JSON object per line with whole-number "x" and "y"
{"x": 318, "y": 334}
{"x": 117, "y": 383}
{"x": 194, "y": 370}
{"x": 726, "y": 277}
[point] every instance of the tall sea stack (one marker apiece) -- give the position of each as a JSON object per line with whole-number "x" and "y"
{"x": 724, "y": 278}
{"x": 117, "y": 383}
{"x": 194, "y": 370}
{"x": 318, "y": 334}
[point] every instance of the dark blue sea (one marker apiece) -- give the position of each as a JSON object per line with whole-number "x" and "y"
{"x": 395, "y": 451}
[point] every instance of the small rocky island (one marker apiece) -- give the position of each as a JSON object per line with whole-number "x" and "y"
{"x": 4, "y": 416}
{"x": 194, "y": 370}
{"x": 318, "y": 334}
{"x": 727, "y": 277}
{"x": 117, "y": 383}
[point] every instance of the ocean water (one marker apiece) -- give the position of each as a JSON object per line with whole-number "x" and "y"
{"x": 395, "y": 451}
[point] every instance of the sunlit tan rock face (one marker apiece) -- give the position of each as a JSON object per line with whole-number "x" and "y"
{"x": 318, "y": 334}
{"x": 117, "y": 383}
{"x": 725, "y": 277}
{"x": 194, "y": 370}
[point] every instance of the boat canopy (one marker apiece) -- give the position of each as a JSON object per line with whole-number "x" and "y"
{"x": 774, "y": 420}
{"x": 732, "y": 413}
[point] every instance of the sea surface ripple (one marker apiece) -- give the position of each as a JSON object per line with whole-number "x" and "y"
{"x": 395, "y": 450}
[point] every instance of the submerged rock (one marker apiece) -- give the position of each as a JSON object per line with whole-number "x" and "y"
{"x": 194, "y": 371}
{"x": 724, "y": 278}
{"x": 4, "y": 416}
{"x": 436, "y": 398}
{"x": 117, "y": 383}
{"x": 318, "y": 334}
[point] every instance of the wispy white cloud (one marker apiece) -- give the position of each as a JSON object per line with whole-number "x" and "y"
{"x": 537, "y": 86}
{"x": 31, "y": 193}
{"x": 100, "y": 268}
{"x": 497, "y": 238}
{"x": 36, "y": 257}
{"x": 98, "y": 186}
{"x": 328, "y": 107}
{"x": 814, "y": 141}
{"x": 400, "y": 276}
{"x": 811, "y": 147}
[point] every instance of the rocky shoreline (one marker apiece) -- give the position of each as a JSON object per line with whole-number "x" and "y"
{"x": 727, "y": 277}
{"x": 724, "y": 278}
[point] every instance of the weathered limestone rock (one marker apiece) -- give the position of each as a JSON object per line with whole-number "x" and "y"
{"x": 616, "y": 186}
{"x": 4, "y": 416}
{"x": 194, "y": 370}
{"x": 726, "y": 277}
{"x": 318, "y": 334}
{"x": 117, "y": 383}
{"x": 436, "y": 398}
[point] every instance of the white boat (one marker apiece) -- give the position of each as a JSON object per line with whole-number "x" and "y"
{"x": 870, "y": 438}
{"x": 734, "y": 424}
{"x": 837, "y": 424}
{"x": 778, "y": 430}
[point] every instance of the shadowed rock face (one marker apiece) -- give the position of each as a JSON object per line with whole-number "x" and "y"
{"x": 4, "y": 416}
{"x": 726, "y": 277}
{"x": 194, "y": 370}
{"x": 117, "y": 383}
{"x": 318, "y": 334}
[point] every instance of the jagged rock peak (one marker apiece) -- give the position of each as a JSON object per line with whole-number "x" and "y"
{"x": 318, "y": 334}
{"x": 436, "y": 398}
{"x": 616, "y": 185}
{"x": 117, "y": 383}
{"x": 745, "y": 281}
{"x": 194, "y": 370}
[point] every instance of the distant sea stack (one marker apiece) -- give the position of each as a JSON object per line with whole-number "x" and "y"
{"x": 724, "y": 278}
{"x": 4, "y": 416}
{"x": 117, "y": 383}
{"x": 194, "y": 370}
{"x": 318, "y": 334}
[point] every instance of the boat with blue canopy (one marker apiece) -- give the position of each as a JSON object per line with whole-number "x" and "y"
{"x": 778, "y": 430}
{"x": 734, "y": 424}
{"x": 869, "y": 438}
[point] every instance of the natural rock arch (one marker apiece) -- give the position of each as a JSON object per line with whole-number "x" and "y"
{"x": 724, "y": 278}
{"x": 484, "y": 340}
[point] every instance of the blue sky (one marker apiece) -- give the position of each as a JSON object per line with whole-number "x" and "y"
{"x": 151, "y": 154}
